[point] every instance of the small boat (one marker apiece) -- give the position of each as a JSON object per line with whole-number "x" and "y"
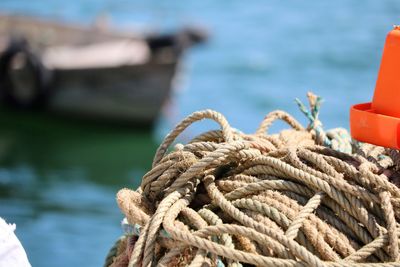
{"x": 89, "y": 71}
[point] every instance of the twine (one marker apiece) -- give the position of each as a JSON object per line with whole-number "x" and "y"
{"x": 289, "y": 199}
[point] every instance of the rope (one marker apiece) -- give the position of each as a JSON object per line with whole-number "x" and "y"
{"x": 228, "y": 198}
{"x": 114, "y": 251}
{"x": 338, "y": 139}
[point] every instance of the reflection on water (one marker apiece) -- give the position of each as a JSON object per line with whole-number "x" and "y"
{"x": 58, "y": 181}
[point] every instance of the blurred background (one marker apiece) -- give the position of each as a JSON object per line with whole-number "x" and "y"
{"x": 59, "y": 174}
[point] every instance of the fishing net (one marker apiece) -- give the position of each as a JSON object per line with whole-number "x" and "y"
{"x": 301, "y": 197}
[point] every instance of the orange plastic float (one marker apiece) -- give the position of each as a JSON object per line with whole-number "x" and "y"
{"x": 378, "y": 122}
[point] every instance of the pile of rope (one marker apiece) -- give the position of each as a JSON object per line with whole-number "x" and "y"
{"x": 289, "y": 199}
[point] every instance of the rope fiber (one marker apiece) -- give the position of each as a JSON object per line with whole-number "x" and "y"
{"x": 301, "y": 197}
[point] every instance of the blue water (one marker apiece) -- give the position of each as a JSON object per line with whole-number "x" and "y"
{"x": 58, "y": 184}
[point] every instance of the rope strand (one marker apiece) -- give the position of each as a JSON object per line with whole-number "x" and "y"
{"x": 228, "y": 198}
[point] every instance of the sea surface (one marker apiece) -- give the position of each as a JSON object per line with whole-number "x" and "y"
{"x": 58, "y": 179}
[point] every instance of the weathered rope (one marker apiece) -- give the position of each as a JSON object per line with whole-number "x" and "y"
{"x": 228, "y": 198}
{"x": 338, "y": 139}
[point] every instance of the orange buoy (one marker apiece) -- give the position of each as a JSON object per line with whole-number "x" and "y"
{"x": 378, "y": 122}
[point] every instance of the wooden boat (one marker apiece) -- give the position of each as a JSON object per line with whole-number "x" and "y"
{"x": 88, "y": 71}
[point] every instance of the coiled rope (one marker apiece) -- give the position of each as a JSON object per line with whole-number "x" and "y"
{"x": 287, "y": 199}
